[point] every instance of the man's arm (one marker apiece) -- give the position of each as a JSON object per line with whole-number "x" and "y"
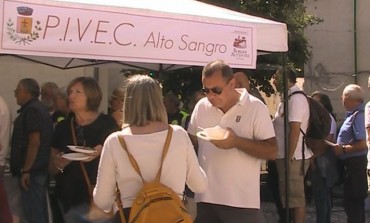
{"x": 349, "y": 148}
{"x": 358, "y": 146}
{"x": 262, "y": 149}
{"x": 32, "y": 150}
{"x": 360, "y": 132}
{"x": 294, "y": 132}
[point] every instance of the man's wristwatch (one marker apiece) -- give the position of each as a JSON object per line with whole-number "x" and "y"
{"x": 59, "y": 168}
{"x": 343, "y": 147}
{"x": 25, "y": 171}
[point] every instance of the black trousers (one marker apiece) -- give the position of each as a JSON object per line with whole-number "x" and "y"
{"x": 355, "y": 188}
{"x": 215, "y": 213}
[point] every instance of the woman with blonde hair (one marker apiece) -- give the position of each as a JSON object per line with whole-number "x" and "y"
{"x": 144, "y": 131}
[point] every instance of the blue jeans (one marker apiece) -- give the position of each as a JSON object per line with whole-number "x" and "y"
{"x": 322, "y": 195}
{"x": 34, "y": 199}
{"x": 324, "y": 175}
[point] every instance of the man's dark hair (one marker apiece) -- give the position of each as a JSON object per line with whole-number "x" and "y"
{"x": 291, "y": 75}
{"x": 325, "y": 101}
{"x": 218, "y": 65}
{"x": 31, "y": 86}
{"x": 173, "y": 98}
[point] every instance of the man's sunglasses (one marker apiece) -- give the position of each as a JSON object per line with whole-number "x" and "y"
{"x": 215, "y": 90}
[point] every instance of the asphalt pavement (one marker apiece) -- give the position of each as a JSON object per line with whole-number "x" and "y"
{"x": 337, "y": 214}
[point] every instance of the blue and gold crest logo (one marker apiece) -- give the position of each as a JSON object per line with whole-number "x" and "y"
{"x": 23, "y": 31}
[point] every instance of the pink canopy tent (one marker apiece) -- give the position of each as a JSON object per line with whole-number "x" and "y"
{"x": 148, "y": 34}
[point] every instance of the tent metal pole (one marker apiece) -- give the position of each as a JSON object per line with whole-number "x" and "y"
{"x": 355, "y": 40}
{"x": 160, "y": 72}
{"x": 286, "y": 137}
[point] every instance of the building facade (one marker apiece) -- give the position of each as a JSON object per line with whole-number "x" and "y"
{"x": 340, "y": 48}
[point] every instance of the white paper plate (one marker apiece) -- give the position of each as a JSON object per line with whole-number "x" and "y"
{"x": 76, "y": 156}
{"x": 203, "y": 135}
{"x": 80, "y": 149}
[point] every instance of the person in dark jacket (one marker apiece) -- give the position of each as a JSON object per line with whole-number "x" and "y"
{"x": 30, "y": 149}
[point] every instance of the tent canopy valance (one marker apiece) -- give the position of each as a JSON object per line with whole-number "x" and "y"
{"x": 136, "y": 33}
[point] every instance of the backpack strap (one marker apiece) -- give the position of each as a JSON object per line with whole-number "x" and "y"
{"x": 297, "y": 92}
{"x": 134, "y": 163}
{"x": 300, "y": 92}
{"x": 119, "y": 205}
{"x": 131, "y": 158}
{"x": 165, "y": 150}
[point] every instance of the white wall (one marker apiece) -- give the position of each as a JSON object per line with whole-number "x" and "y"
{"x": 331, "y": 66}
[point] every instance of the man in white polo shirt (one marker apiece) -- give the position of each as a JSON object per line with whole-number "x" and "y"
{"x": 299, "y": 155}
{"x": 233, "y": 163}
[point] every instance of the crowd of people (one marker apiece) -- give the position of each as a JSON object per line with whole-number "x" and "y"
{"x": 220, "y": 178}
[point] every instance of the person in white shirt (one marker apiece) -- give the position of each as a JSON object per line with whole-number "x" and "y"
{"x": 367, "y": 127}
{"x": 5, "y": 125}
{"x": 299, "y": 155}
{"x": 144, "y": 131}
{"x": 233, "y": 163}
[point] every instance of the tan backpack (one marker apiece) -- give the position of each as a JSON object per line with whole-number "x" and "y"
{"x": 156, "y": 202}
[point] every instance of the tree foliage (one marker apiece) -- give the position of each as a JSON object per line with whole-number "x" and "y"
{"x": 183, "y": 82}
{"x": 291, "y": 12}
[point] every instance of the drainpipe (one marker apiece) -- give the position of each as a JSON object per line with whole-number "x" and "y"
{"x": 355, "y": 39}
